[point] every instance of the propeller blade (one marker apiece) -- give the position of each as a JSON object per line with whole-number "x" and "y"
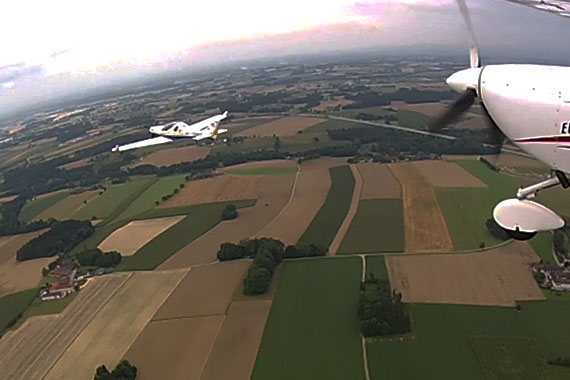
{"x": 460, "y": 106}
{"x": 496, "y": 135}
{"x": 474, "y": 56}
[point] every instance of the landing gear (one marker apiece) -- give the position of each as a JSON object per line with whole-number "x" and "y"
{"x": 522, "y": 218}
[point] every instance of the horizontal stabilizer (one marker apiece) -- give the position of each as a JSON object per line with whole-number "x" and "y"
{"x": 142, "y": 143}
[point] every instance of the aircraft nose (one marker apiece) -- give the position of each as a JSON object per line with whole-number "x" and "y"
{"x": 464, "y": 79}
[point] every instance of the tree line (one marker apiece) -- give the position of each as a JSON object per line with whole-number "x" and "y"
{"x": 367, "y": 98}
{"x": 267, "y": 253}
{"x": 61, "y": 238}
{"x": 97, "y": 258}
{"x": 381, "y": 311}
{"x": 123, "y": 371}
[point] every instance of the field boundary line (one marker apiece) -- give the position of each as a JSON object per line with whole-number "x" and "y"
{"x": 350, "y": 214}
{"x": 362, "y": 338}
{"x": 224, "y": 317}
{"x": 188, "y": 317}
{"x": 130, "y": 275}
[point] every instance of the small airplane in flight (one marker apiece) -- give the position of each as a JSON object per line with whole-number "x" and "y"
{"x": 202, "y": 130}
{"x": 529, "y": 105}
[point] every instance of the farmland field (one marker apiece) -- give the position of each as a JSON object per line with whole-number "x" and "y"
{"x": 542, "y": 245}
{"x": 105, "y": 204}
{"x": 269, "y": 167}
{"x": 412, "y": 119}
{"x": 200, "y": 219}
{"x": 286, "y": 126}
{"x": 377, "y": 227}
{"x": 147, "y": 200}
{"x": 68, "y": 207}
{"x": 424, "y": 225}
{"x": 40, "y": 204}
{"x": 13, "y": 305}
{"x": 115, "y": 327}
{"x": 378, "y": 182}
{"x": 273, "y": 195}
{"x": 217, "y": 189}
{"x": 238, "y": 342}
{"x": 131, "y": 237}
{"x": 171, "y": 156}
{"x": 447, "y": 174}
{"x": 174, "y": 349}
{"x": 309, "y": 195}
{"x": 262, "y": 171}
{"x": 326, "y": 223}
{"x": 319, "y": 298}
{"x": 498, "y": 277}
{"x": 205, "y": 290}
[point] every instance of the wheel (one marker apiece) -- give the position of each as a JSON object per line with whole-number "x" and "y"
{"x": 520, "y": 235}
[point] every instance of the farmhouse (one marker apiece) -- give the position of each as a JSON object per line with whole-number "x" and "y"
{"x": 557, "y": 277}
{"x": 57, "y": 291}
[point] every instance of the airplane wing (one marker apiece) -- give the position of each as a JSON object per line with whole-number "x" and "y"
{"x": 559, "y": 7}
{"x": 142, "y": 143}
{"x": 210, "y": 135}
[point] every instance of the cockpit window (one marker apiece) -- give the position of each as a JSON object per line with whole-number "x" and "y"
{"x": 168, "y": 126}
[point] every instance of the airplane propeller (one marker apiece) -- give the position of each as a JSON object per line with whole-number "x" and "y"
{"x": 466, "y": 82}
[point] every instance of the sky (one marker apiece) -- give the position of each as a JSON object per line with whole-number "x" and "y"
{"x": 58, "y": 46}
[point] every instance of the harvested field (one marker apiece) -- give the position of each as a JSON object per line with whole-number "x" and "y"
{"x": 130, "y": 238}
{"x": 254, "y": 165}
{"x": 217, "y": 189}
{"x": 175, "y": 349}
{"x": 498, "y": 277}
{"x": 473, "y": 123}
{"x": 167, "y": 157}
{"x": 322, "y": 163}
{"x": 115, "y": 327}
{"x": 447, "y": 174}
{"x": 286, "y": 126}
{"x": 39, "y": 204}
{"x": 17, "y": 276}
{"x": 206, "y": 290}
{"x": 308, "y": 197}
{"x": 68, "y": 207}
{"x": 8, "y": 199}
{"x": 337, "y": 101}
{"x": 75, "y": 164}
{"x": 238, "y": 342}
{"x": 514, "y": 160}
{"x": 425, "y": 229}
{"x": 339, "y": 237}
{"x": 32, "y": 350}
{"x": 272, "y": 196}
{"x": 378, "y": 181}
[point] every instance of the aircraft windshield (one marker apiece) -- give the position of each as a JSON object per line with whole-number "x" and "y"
{"x": 168, "y": 126}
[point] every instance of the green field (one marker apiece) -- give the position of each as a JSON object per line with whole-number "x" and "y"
{"x": 115, "y": 195}
{"x": 312, "y": 330}
{"x": 412, "y": 119}
{"x": 146, "y": 201}
{"x": 13, "y": 306}
{"x": 326, "y": 223}
{"x": 378, "y": 226}
{"x": 262, "y": 171}
{"x": 508, "y": 358}
{"x": 200, "y": 219}
{"x": 466, "y": 209}
{"x": 36, "y": 207}
{"x": 542, "y": 245}
{"x": 377, "y": 266}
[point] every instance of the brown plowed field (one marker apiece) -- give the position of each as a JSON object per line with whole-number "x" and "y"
{"x": 322, "y": 163}
{"x": 175, "y": 349}
{"x": 17, "y": 276}
{"x": 264, "y": 164}
{"x": 206, "y": 290}
{"x": 378, "y": 181}
{"x": 238, "y": 342}
{"x": 68, "y": 207}
{"x": 473, "y": 123}
{"x": 115, "y": 327}
{"x": 130, "y": 238}
{"x": 425, "y": 229}
{"x": 32, "y": 350}
{"x": 498, "y": 277}
{"x": 286, "y": 126}
{"x": 217, "y": 189}
{"x": 351, "y": 211}
{"x": 273, "y": 195}
{"x": 167, "y": 157}
{"x": 309, "y": 195}
{"x": 75, "y": 164}
{"x": 8, "y": 199}
{"x": 338, "y": 101}
{"x": 447, "y": 174}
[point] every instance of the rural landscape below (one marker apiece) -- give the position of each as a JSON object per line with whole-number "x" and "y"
{"x": 326, "y": 235}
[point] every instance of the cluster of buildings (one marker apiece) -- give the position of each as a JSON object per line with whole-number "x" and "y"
{"x": 555, "y": 277}
{"x": 68, "y": 280}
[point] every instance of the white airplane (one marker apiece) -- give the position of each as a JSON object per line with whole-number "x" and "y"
{"x": 205, "y": 129}
{"x": 529, "y": 104}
